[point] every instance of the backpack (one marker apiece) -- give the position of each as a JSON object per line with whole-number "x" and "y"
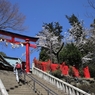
{"x": 18, "y": 66}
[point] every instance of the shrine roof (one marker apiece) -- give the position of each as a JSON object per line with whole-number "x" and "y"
{"x": 20, "y": 36}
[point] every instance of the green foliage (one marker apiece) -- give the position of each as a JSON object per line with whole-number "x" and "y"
{"x": 57, "y": 73}
{"x": 71, "y": 72}
{"x": 71, "y": 55}
{"x": 88, "y": 47}
{"x": 88, "y": 88}
{"x": 92, "y": 70}
{"x": 43, "y": 55}
{"x": 81, "y": 72}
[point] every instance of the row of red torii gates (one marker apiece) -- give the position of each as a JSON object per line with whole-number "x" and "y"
{"x": 11, "y": 38}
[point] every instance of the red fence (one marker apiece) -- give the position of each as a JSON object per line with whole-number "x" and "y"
{"x": 48, "y": 66}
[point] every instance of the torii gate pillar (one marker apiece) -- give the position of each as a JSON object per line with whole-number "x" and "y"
{"x": 26, "y": 43}
{"x": 27, "y": 56}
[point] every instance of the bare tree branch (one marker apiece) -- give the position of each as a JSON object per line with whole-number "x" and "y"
{"x": 10, "y": 17}
{"x": 92, "y": 3}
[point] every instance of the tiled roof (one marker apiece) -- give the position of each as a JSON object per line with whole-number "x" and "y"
{"x": 9, "y": 61}
{"x": 12, "y": 60}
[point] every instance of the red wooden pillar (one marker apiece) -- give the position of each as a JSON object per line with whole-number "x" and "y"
{"x": 86, "y": 72}
{"x": 27, "y": 56}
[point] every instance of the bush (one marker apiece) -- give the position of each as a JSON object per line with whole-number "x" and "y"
{"x": 92, "y": 70}
{"x": 71, "y": 73}
{"x": 88, "y": 88}
{"x": 57, "y": 73}
{"x": 81, "y": 72}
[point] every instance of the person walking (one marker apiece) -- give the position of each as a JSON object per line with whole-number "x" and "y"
{"x": 18, "y": 71}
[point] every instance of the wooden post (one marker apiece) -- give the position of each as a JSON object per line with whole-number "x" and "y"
{"x": 27, "y": 56}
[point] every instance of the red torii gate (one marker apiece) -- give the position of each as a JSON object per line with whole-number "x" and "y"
{"x": 26, "y": 43}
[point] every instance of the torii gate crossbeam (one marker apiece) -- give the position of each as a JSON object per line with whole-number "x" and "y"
{"x": 26, "y": 43}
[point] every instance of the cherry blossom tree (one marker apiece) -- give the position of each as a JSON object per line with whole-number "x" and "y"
{"x": 51, "y": 40}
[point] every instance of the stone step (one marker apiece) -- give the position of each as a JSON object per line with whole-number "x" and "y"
{"x": 47, "y": 84}
{"x": 11, "y": 85}
{"x": 14, "y": 88}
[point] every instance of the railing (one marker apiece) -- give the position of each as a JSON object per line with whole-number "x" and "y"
{"x": 2, "y": 89}
{"x": 35, "y": 81}
{"x": 65, "y": 87}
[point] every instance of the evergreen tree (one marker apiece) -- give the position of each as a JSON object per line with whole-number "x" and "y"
{"x": 43, "y": 56}
{"x": 80, "y": 37}
{"x": 71, "y": 55}
{"x": 77, "y": 30}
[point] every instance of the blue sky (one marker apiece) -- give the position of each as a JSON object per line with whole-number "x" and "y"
{"x": 38, "y": 12}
